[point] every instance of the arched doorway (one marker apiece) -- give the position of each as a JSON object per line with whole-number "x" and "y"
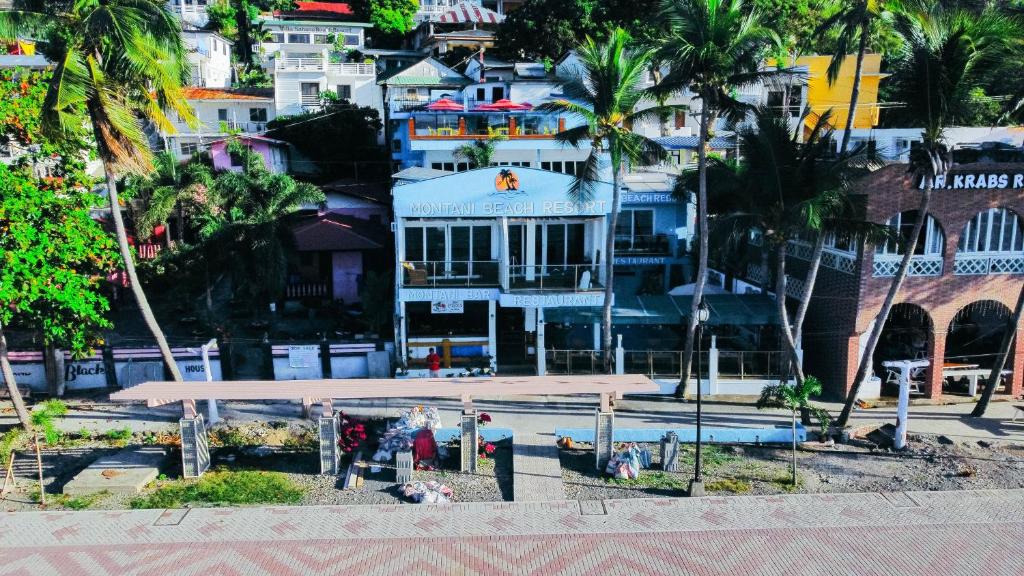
{"x": 973, "y": 340}
{"x": 906, "y": 336}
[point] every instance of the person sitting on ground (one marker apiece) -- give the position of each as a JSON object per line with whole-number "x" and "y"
{"x": 434, "y": 364}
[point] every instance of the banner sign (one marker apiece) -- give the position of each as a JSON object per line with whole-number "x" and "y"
{"x": 447, "y": 307}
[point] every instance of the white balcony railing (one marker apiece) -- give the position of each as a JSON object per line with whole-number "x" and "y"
{"x": 299, "y": 64}
{"x": 980, "y": 264}
{"x": 886, "y": 265}
{"x": 322, "y": 64}
{"x": 352, "y": 69}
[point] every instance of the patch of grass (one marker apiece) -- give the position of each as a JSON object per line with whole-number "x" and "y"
{"x": 224, "y": 488}
{"x": 45, "y": 416}
{"x": 85, "y": 433}
{"x": 13, "y": 439}
{"x": 230, "y": 437}
{"x": 306, "y": 440}
{"x": 118, "y": 436}
{"x": 80, "y": 502}
{"x": 784, "y": 482}
{"x": 649, "y": 480}
{"x": 732, "y": 485}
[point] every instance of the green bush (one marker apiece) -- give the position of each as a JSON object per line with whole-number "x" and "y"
{"x": 732, "y": 485}
{"x": 44, "y": 416}
{"x": 81, "y": 502}
{"x": 118, "y": 435}
{"x": 650, "y": 480}
{"x": 10, "y": 440}
{"x": 224, "y": 487}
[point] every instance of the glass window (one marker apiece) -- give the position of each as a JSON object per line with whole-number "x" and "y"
{"x": 344, "y": 91}
{"x": 222, "y": 114}
{"x": 995, "y": 230}
{"x": 435, "y": 243}
{"x": 556, "y": 243}
{"x": 189, "y": 148}
{"x": 414, "y": 244}
{"x": 277, "y": 37}
{"x": 481, "y": 243}
{"x": 929, "y": 243}
{"x": 298, "y": 38}
{"x": 321, "y": 39}
{"x": 351, "y": 39}
{"x": 257, "y": 114}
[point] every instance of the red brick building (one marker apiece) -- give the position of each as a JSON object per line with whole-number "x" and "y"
{"x": 963, "y": 284}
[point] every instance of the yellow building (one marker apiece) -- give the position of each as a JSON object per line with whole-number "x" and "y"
{"x": 821, "y": 96}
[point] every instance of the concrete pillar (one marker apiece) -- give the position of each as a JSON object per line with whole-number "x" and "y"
{"x": 620, "y": 357}
{"x": 933, "y": 373}
{"x": 530, "y": 258}
{"x": 1016, "y": 364}
{"x": 330, "y": 453}
{"x": 670, "y": 452}
{"x": 604, "y": 429}
{"x": 712, "y": 367}
{"x": 492, "y": 333}
{"x": 403, "y": 325}
{"x": 542, "y": 359}
{"x": 503, "y": 254}
{"x": 195, "y": 450}
{"x": 470, "y": 440}
{"x": 597, "y": 335}
{"x": 902, "y": 409}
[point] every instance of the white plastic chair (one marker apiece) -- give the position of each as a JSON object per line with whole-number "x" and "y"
{"x": 585, "y": 280}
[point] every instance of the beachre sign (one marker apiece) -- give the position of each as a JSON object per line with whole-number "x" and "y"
{"x": 991, "y": 181}
{"x": 647, "y": 198}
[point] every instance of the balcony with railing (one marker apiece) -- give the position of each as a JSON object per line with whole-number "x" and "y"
{"x": 447, "y": 273}
{"x": 553, "y": 278}
{"x": 479, "y": 126}
{"x": 649, "y": 244}
{"x": 978, "y": 263}
{"x": 886, "y": 265}
{"x": 323, "y": 64}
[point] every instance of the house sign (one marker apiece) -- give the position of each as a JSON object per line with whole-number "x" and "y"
{"x": 552, "y": 300}
{"x": 447, "y": 294}
{"x": 991, "y": 181}
{"x": 647, "y": 198}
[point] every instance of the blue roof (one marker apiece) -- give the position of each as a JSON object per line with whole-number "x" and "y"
{"x": 690, "y": 142}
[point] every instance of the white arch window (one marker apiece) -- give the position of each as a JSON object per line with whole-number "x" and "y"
{"x": 996, "y": 230}
{"x": 929, "y": 243}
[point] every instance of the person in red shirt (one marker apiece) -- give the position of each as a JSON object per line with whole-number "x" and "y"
{"x": 434, "y": 364}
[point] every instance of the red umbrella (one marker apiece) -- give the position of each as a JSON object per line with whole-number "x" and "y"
{"x": 503, "y": 105}
{"x": 445, "y": 105}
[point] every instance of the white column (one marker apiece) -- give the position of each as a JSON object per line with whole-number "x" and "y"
{"x": 902, "y": 408}
{"x": 602, "y": 239}
{"x": 620, "y": 357}
{"x": 597, "y": 336}
{"x": 503, "y": 254}
{"x": 712, "y": 367}
{"x": 541, "y": 359}
{"x": 211, "y": 410}
{"x": 492, "y": 333}
{"x": 404, "y": 329}
{"x": 531, "y": 250}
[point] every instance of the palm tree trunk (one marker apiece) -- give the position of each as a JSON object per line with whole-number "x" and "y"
{"x": 868, "y": 359}
{"x": 1004, "y": 353}
{"x": 809, "y": 281}
{"x": 780, "y": 302}
{"x": 133, "y": 279}
{"x": 12, "y": 385}
{"x": 855, "y": 92}
{"x": 609, "y": 267}
{"x": 706, "y": 118}
{"x": 766, "y": 278}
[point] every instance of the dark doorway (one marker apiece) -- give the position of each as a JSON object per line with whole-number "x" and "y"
{"x": 511, "y": 336}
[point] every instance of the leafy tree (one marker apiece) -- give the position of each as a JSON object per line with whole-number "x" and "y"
{"x": 116, "y": 61}
{"x": 795, "y": 398}
{"x": 54, "y": 260}
{"x": 336, "y": 138}
{"x": 250, "y": 232}
{"x": 546, "y": 28}
{"x": 479, "y": 153}
{"x": 606, "y": 94}
{"x": 390, "y": 17}
{"x": 947, "y": 54}
{"x": 712, "y": 47}
{"x": 171, "y": 188}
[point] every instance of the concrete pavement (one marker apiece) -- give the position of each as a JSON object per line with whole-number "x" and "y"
{"x": 926, "y": 533}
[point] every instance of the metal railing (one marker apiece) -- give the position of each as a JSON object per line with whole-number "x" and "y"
{"x": 887, "y": 264}
{"x": 642, "y": 244}
{"x": 751, "y": 365}
{"x": 450, "y": 273}
{"x": 574, "y": 361}
{"x": 554, "y": 277}
{"x": 303, "y": 64}
{"x": 306, "y": 290}
{"x": 352, "y": 69}
{"x": 967, "y": 264}
{"x": 663, "y": 363}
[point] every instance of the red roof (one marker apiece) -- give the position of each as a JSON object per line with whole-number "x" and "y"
{"x": 318, "y": 10}
{"x": 198, "y": 93}
{"x": 333, "y": 232}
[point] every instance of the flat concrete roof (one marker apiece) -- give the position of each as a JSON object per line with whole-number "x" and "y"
{"x": 387, "y": 388}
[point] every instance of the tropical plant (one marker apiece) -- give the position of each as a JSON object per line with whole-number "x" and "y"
{"x": 55, "y": 257}
{"x": 605, "y": 92}
{"x": 115, "y": 61}
{"x": 712, "y": 47}
{"x": 795, "y": 398}
{"x": 853, "y": 23}
{"x": 171, "y": 188}
{"x": 947, "y": 53}
{"x": 45, "y": 416}
{"x": 478, "y": 153}
{"x": 249, "y": 229}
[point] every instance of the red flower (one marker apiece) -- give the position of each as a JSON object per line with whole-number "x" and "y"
{"x": 489, "y": 448}
{"x": 484, "y": 417}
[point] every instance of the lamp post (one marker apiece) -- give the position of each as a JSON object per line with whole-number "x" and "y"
{"x": 697, "y": 484}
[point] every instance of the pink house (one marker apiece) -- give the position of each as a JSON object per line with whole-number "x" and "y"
{"x": 274, "y": 152}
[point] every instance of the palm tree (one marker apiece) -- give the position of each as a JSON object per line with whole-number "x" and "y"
{"x": 172, "y": 187}
{"x": 251, "y": 227}
{"x": 712, "y": 47}
{"x": 853, "y": 22}
{"x": 605, "y": 92}
{"x": 479, "y": 153}
{"x": 947, "y": 54}
{"x": 1004, "y": 352}
{"x": 115, "y": 61}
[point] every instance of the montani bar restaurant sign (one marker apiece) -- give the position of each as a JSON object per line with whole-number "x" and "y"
{"x": 990, "y": 181}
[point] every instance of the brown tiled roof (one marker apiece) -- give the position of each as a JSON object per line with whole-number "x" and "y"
{"x": 198, "y": 93}
{"x": 333, "y": 232}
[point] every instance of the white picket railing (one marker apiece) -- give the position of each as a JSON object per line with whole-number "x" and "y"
{"x": 352, "y": 69}
{"x": 980, "y": 264}
{"x": 886, "y": 265}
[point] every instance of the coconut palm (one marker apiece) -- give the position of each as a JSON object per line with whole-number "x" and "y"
{"x": 711, "y": 47}
{"x": 114, "y": 62}
{"x": 947, "y": 54}
{"x": 853, "y": 22}
{"x": 605, "y": 91}
{"x": 479, "y": 153}
{"x": 171, "y": 188}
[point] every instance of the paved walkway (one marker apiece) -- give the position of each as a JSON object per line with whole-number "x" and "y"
{"x": 536, "y": 469}
{"x": 922, "y": 533}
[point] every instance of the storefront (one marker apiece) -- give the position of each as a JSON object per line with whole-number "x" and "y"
{"x": 481, "y": 255}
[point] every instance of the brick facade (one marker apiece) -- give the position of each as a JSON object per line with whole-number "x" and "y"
{"x": 845, "y": 305}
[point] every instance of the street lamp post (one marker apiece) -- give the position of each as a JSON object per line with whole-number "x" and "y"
{"x": 697, "y": 484}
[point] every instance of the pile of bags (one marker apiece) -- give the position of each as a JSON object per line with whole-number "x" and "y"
{"x": 401, "y": 436}
{"x": 628, "y": 461}
{"x": 432, "y": 492}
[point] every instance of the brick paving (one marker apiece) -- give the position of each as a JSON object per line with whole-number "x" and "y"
{"x": 537, "y": 471}
{"x": 926, "y": 533}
